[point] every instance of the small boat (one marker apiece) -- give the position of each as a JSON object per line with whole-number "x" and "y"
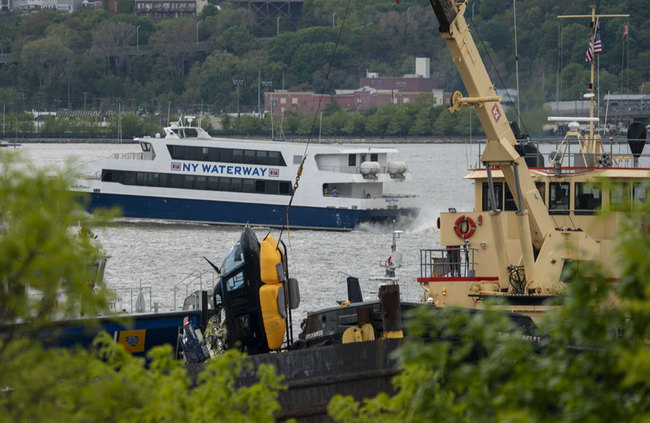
{"x": 187, "y": 175}
{"x": 13, "y": 144}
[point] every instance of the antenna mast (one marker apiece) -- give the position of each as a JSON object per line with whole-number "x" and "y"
{"x": 594, "y": 26}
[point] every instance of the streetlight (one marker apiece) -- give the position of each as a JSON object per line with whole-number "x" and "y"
{"x": 197, "y": 32}
{"x": 137, "y": 38}
{"x": 238, "y": 83}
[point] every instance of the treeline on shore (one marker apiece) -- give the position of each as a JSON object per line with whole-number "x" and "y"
{"x": 387, "y": 121}
{"x": 96, "y": 60}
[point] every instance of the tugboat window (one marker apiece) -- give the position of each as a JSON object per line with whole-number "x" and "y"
{"x": 498, "y": 194}
{"x": 511, "y": 205}
{"x": 638, "y": 193}
{"x": 619, "y": 196}
{"x": 558, "y": 197}
{"x": 588, "y": 198}
{"x": 541, "y": 187}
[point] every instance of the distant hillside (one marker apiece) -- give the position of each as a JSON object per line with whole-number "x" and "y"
{"x": 98, "y": 60}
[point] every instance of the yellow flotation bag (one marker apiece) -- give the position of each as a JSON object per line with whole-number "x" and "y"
{"x": 271, "y": 302}
{"x": 270, "y": 257}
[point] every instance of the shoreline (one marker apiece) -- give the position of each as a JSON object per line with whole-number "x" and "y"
{"x": 301, "y": 139}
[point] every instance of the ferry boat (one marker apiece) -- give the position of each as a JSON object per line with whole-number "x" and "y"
{"x": 187, "y": 175}
{"x": 531, "y": 218}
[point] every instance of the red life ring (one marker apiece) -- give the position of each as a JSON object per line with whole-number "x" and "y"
{"x": 464, "y": 227}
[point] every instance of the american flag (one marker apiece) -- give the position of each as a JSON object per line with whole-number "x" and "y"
{"x": 590, "y": 52}
{"x": 625, "y": 31}
{"x": 598, "y": 45}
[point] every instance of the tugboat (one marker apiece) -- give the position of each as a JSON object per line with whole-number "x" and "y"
{"x": 529, "y": 220}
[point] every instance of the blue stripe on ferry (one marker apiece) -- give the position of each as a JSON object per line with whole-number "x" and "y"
{"x": 227, "y": 212}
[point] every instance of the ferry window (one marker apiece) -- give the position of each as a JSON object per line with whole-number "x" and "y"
{"x": 226, "y": 155}
{"x": 261, "y": 157}
{"x": 141, "y": 178}
{"x": 107, "y": 175}
{"x": 129, "y": 178}
{"x": 558, "y": 197}
{"x": 164, "y": 180}
{"x": 153, "y": 179}
{"x": 374, "y": 157}
{"x": 224, "y": 184}
{"x": 259, "y": 186}
{"x": 145, "y": 146}
{"x": 177, "y": 181}
{"x": 192, "y": 153}
{"x": 236, "y": 184}
{"x": 248, "y": 185}
{"x": 275, "y": 158}
{"x": 619, "y": 195}
{"x": 511, "y": 205}
{"x": 212, "y": 183}
{"x": 352, "y": 159}
{"x": 285, "y": 188}
{"x": 191, "y": 133}
{"x": 498, "y": 194}
{"x": 639, "y": 193}
{"x": 297, "y": 159}
{"x": 541, "y": 187}
{"x": 213, "y": 155}
{"x": 237, "y": 156}
{"x": 272, "y": 187}
{"x": 588, "y": 198}
{"x": 249, "y": 156}
{"x": 188, "y": 181}
{"x": 176, "y": 151}
{"x": 200, "y": 182}
{"x": 205, "y": 154}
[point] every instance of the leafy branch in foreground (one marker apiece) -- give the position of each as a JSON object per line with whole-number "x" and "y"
{"x": 48, "y": 271}
{"x": 591, "y": 365}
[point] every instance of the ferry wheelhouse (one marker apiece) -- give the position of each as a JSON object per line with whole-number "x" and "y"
{"x": 187, "y": 175}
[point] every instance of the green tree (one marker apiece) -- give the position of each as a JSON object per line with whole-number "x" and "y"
{"x": 47, "y": 270}
{"x": 591, "y": 364}
{"x": 37, "y": 215}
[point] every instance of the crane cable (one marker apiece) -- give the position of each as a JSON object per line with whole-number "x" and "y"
{"x": 311, "y": 131}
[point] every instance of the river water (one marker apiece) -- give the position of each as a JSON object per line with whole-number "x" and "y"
{"x": 167, "y": 258}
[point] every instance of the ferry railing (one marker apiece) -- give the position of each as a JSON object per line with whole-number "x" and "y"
{"x": 125, "y": 299}
{"x": 142, "y": 155}
{"x": 449, "y": 262}
{"x": 192, "y": 282}
{"x": 348, "y": 169}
